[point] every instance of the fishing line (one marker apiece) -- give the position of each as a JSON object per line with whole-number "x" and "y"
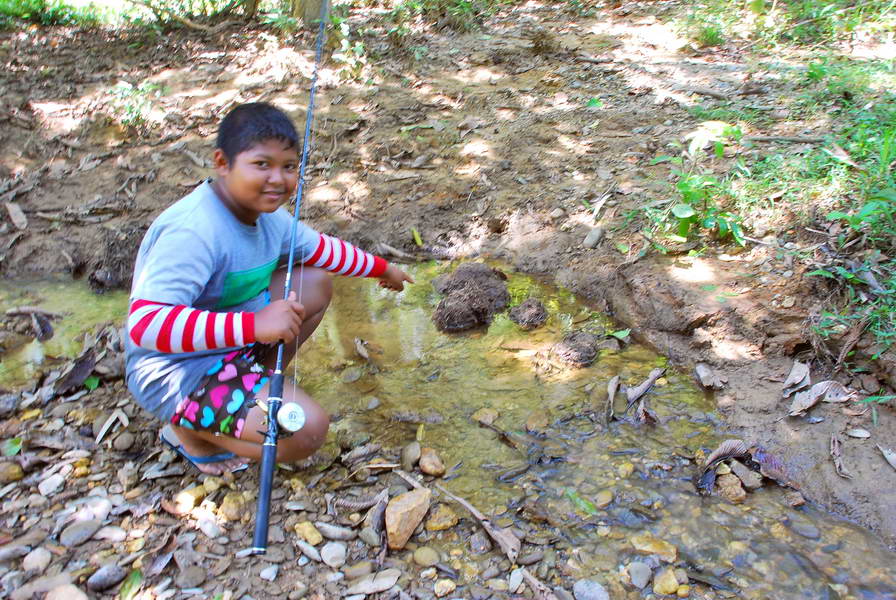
{"x": 292, "y": 417}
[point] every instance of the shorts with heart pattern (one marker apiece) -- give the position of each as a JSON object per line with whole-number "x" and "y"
{"x": 225, "y": 394}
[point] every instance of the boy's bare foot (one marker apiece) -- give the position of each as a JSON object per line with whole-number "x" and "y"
{"x": 198, "y": 448}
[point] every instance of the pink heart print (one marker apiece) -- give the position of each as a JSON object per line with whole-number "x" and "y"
{"x": 239, "y": 428}
{"x": 227, "y": 373}
{"x": 217, "y": 395}
{"x": 249, "y": 381}
{"x": 231, "y": 355}
{"x": 191, "y": 410}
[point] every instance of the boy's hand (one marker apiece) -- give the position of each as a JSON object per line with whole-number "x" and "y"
{"x": 394, "y": 278}
{"x": 279, "y": 321}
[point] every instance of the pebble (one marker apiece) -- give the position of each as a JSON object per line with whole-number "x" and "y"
{"x": 806, "y": 530}
{"x": 10, "y": 471}
{"x": 426, "y": 556}
{"x": 594, "y": 237}
{"x": 300, "y": 591}
{"x": 665, "y": 582}
{"x": 515, "y": 580}
{"x": 105, "y": 577}
{"x": 480, "y": 543}
{"x": 191, "y": 577}
{"x": 443, "y": 587}
{"x": 308, "y": 550}
{"x": 373, "y": 403}
{"x": 111, "y": 533}
{"x": 51, "y": 484}
{"x": 530, "y": 558}
{"x": 308, "y": 532}
{"x": 37, "y": 560}
{"x": 124, "y": 441}
{"x": 369, "y": 537}
{"x": 360, "y": 569}
{"x": 588, "y": 589}
{"x": 410, "y": 454}
{"x": 603, "y": 499}
{"x": 557, "y": 213}
{"x": 639, "y": 573}
{"x": 334, "y": 532}
{"x": 66, "y": 592}
{"x": 78, "y": 532}
{"x": 269, "y": 573}
{"x": 210, "y": 528}
{"x": 333, "y": 554}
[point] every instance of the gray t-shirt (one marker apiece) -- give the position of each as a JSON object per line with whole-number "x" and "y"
{"x": 197, "y": 253}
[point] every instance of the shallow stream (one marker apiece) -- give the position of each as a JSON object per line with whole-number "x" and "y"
{"x": 571, "y": 483}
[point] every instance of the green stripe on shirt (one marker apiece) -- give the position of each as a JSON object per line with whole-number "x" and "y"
{"x": 240, "y": 286}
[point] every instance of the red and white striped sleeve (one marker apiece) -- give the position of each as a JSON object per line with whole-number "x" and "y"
{"x": 180, "y": 328}
{"x": 342, "y": 258}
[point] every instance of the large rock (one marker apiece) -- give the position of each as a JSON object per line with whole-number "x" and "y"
{"x": 403, "y": 514}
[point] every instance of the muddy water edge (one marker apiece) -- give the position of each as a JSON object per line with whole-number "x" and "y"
{"x": 588, "y": 500}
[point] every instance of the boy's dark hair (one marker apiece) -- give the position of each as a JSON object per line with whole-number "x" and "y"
{"x": 253, "y": 123}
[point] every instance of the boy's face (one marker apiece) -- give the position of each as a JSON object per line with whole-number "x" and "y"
{"x": 259, "y": 179}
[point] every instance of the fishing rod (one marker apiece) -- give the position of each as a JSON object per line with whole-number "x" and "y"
{"x": 289, "y": 416}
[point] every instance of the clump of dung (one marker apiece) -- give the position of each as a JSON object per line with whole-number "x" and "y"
{"x": 473, "y": 293}
{"x": 529, "y": 315}
{"x": 578, "y": 349}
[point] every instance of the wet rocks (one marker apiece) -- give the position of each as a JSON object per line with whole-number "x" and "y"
{"x": 529, "y": 315}
{"x": 473, "y": 293}
{"x": 441, "y": 517}
{"x": 430, "y": 463}
{"x": 443, "y": 587}
{"x": 588, "y": 589}
{"x": 645, "y": 543}
{"x": 730, "y": 488}
{"x": 426, "y": 556}
{"x": 577, "y": 349}
{"x": 403, "y": 514}
{"x": 410, "y": 454}
{"x": 639, "y": 574}
{"x": 665, "y": 582}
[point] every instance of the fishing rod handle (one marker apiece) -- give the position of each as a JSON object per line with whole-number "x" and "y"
{"x": 268, "y": 462}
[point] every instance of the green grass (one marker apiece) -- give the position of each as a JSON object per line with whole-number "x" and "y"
{"x": 48, "y": 12}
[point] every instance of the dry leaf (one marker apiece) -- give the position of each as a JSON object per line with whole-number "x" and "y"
{"x": 89, "y": 162}
{"x": 859, "y": 433}
{"x": 843, "y": 156}
{"x": 797, "y": 379}
{"x": 828, "y": 391}
{"x": 838, "y": 458}
{"x": 17, "y": 215}
{"x": 889, "y": 455}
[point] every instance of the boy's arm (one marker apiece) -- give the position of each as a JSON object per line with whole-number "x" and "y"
{"x": 342, "y": 258}
{"x": 180, "y": 328}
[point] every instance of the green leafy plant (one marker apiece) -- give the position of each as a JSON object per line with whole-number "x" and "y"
{"x": 695, "y": 207}
{"x": 133, "y": 103}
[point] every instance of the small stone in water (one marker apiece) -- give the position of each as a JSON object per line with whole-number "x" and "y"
{"x": 480, "y": 543}
{"x": 269, "y": 573}
{"x": 588, "y": 589}
{"x": 806, "y": 530}
{"x": 639, "y": 573}
{"x": 603, "y": 499}
{"x": 431, "y": 463}
{"x": 426, "y": 556}
{"x": 443, "y": 587}
{"x": 441, "y": 518}
{"x": 665, "y": 582}
{"x": 515, "y": 580}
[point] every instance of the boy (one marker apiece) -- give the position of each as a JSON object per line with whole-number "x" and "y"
{"x": 202, "y": 326}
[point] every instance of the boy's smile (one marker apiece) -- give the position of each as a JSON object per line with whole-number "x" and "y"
{"x": 259, "y": 179}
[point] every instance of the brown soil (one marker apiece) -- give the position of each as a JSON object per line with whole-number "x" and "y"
{"x": 529, "y": 314}
{"x": 473, "y": 293}
{"x": 487, "y": 149}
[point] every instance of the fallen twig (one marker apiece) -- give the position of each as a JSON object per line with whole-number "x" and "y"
{"x": 31, "y": 310}
{"x": 796, "y": 139}
{"x": 505, "y": 538}
{"x": 634, "y": 394}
